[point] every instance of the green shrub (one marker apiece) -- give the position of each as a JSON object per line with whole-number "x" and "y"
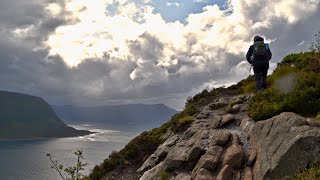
{"x": 266, "y": 104}
{"x": 312, "y": 172}
{"x": 244, "y": 86}
{"x": 164, "y": 175}
{"x": 294, "y": 58}
{"x": 180, "y": 124}
{"x": 185, "y": 119}
{"x": 304, "y": 98}
{"x": 96, "y": 173}
{"x": 134, "y": 152}
{"x": 70, "y": 172}
{"x": 278, "y": 73}
{"x": 249, "y": 88}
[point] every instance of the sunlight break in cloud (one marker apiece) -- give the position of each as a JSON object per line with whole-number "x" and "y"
{"x": 96, "y": 33}
{"x": 115, "y": 52}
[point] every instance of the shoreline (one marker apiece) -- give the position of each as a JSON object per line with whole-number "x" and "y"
{"x": 45, "y": 138}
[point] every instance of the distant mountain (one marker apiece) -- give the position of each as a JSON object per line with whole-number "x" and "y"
{"x": 24, "y": 116}
{"x": 120, "y": 116}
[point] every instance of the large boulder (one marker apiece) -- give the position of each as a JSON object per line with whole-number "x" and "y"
{"x": 209, "y": 160}
{"x": 218, "y": 138}
{"x": 285, "y": 144}
{"x": 233, "y": 156}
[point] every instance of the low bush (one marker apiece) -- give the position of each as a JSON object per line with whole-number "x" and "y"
{"x": 304, "y": 98}
{"x": 294, "y": 58}
{"x": 165, "y": 175}
{"x": 311, "y": 172}
{"x": 266, "y": 104}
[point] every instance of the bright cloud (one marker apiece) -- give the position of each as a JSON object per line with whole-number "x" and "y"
{"x": 173, "y": 4}
{"x": 119, "y": 51}
{"x": 96, "y": 33}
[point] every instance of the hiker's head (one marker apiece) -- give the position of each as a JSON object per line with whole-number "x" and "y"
{"x": 258, "y": 38}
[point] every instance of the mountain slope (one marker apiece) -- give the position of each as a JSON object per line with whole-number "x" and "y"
{"x": 232, "y": 133}
{"x": 25, "y": 116}
{"x": 121, "y": 116}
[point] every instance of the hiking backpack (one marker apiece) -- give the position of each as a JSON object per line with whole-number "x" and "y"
{"x": 259, "y": 51}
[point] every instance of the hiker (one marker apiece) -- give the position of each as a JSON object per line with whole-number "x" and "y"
{"x": 258, "y": 56}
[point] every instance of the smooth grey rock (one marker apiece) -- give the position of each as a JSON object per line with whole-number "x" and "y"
{"x": 233, "y": 156}
{"x": 225, "y": 173}
{"x": 188, "y": 134}
{"x": 226, "y": 119}
{"x": 151, "y": 173}
{"x": 220, "y": 103}
{"x": 239, "y": 99}
{"x": 204, "y": 174}
{"x": 247, "y": 125}
{"x": 159, "y": 153}
{"x": 236, "y": 108}
{"x": 285, "y": 144}
{"x": 208, "y": 161}
{"x": 187, "y": 150}
{"x": 215, "y": 121}
{"x": 204, "y": 124}
{"x": 203, "y": 115}
{"x": 183, "y": 176}
{"x": 219, "y": 138}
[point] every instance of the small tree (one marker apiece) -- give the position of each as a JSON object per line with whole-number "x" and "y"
{"x": 73, "y": 172}
{"x": 315, "y": 46}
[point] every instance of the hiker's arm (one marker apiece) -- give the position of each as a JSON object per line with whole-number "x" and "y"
{"x": 249, "y": 54}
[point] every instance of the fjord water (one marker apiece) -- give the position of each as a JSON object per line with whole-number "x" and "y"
{"x": 26, "y": 159}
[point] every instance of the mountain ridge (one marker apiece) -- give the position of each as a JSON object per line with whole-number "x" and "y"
{"x": 25, "y": 116}
{"x": 143, "y": 116}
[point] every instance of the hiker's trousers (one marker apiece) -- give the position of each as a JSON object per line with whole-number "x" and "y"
{"x": 260, "y": 73}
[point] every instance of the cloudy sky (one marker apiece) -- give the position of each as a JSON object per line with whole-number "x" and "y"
{"x": 98, "y": 52}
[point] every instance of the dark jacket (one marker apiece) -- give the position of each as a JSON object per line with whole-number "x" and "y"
{"x": 264, "y": 60}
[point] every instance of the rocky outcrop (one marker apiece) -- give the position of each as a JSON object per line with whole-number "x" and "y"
{"x": 224, "y": 143}
{"x": 285, "y": 144}
{"x": 212, "y": 147}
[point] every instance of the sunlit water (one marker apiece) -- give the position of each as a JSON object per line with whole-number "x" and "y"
{"x": 26, "y": 159}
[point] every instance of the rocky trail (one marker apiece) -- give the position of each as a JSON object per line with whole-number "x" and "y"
{"x": 213, "y": 147}
{"x": 223, "y": 143}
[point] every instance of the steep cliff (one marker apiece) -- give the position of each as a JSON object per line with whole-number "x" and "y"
{"x": 23, "y": 116}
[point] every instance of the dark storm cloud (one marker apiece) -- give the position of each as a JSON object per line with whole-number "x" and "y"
{"x": 146, "y": 47}
{"x": 143, "y": 76}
